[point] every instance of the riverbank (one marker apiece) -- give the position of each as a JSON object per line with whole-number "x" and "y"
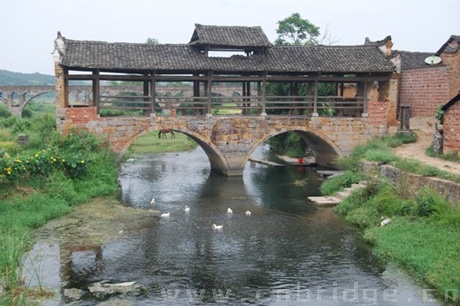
{"x": 423, "y": 230}
{"x": 388, "y": 241}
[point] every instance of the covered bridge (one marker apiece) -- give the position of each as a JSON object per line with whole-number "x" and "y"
{"x": 256, "y": 64}
{"x": 313, "y": 101}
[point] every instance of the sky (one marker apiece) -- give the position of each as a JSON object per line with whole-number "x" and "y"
{"x": 28, "y": 27}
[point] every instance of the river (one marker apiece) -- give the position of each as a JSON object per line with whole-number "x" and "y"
{"x": 286, "y": 252}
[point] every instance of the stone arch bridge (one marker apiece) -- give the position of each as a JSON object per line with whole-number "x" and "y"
{"x": 229, "y": 141}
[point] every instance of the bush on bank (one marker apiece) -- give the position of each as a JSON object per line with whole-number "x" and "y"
{"x": 41, "y": 180}
{"x": 424, "y": 230}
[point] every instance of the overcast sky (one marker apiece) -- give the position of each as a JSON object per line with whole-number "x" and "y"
{"x": 29, "y": 27}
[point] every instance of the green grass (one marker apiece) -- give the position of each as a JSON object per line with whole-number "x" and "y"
{"x": 150, "y": 143}
{"x": 451, "y": 156}
{"x": 428, "y": 250}
{"x": 31, "y": 199}
{"x": 424, "y": 233}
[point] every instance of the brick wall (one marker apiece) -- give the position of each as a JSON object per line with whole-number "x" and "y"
{"x": 378, "y": 113}
{"x": 452, "y": 62}
{"x": 77, "y": 117}
{"x": 424, "y": 89}
{"x": 451, "y": 129}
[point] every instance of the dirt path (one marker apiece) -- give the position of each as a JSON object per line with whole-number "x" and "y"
{"x": 424, "y": 128}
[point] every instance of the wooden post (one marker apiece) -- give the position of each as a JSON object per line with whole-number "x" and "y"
{"x": 209, "y": 90}
{"x": 315, "y": 100}
{"x": 248, "y": 100}
{"x": 196, "y": 94}
{"x": 96, "y": 90}
{"x": 152, "y": 93}
{"x": 365, "y": 96}
{"x": 145, "y": 109}
{"x": 264, "y": 94}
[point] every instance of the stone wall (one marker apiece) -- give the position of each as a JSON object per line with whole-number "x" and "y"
{"x": 413, "y": 183}
{"x": 424, "y": 89}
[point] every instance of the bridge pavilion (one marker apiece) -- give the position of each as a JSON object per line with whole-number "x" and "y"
{"x": 330, "y": 124}
{"x": 256, "y": 63}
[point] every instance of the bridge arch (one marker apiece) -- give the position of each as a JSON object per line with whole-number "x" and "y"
{"x": 323, "y": 148}
{"x": 217, "y": 159}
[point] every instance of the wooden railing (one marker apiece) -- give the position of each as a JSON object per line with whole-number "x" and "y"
{"x": 232, "y": 106}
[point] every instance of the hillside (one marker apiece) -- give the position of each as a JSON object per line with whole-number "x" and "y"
{"x": 16, "y": 78}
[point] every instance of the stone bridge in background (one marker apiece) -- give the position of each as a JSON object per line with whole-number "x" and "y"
{"x": 229, "y": 141}
{"x": 17, "y": 97}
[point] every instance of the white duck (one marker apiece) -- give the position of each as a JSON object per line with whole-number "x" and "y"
{"x": 229, "y": 211}
{"x": 248, "y": 213}
{"x": 217, "y": 227}
{"x": 186, "y": 209}
{"x": 165, "y": 215}
{"x": 385, "y": 221}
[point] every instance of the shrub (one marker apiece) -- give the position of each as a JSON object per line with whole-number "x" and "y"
{"x": 4, "y": 111}
{"x": 337, "y": 183}
{"x": 26, "y": 113}
{"x": 428, "y": 202}
{"x": 387, "y": 201}
{"x": 379, "y": 155}
{"x": 363, "y": 217}
{"x": 439, "y": 115}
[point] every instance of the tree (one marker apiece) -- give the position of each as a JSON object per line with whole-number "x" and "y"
{"x": 152, "y": 41}
{"x": 294, "y": 30}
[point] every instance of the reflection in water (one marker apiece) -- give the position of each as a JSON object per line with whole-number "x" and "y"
{"x": 286, "y": 252}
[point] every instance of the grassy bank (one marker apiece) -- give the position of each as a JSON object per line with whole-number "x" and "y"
{"x": 424, "y": 230}
{"x": 43, "y": 179}
{"x": 46, "y": 177}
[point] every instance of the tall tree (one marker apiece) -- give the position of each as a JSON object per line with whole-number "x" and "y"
{"x": 294, "y": 30}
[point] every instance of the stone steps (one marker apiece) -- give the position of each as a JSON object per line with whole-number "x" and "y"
{"x": 330, "y": 201}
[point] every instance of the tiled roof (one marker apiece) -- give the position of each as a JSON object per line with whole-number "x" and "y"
{"x": 451, "y": 102}
{"x": 377, "y": 43}
{"x": 229, "y": 36}
{"x": 451, "y": 45}
{"x": 186, "y": 58}
{"x": 412, "y": 60}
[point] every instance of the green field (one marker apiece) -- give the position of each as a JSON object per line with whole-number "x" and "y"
{"x": 150, "y": 143}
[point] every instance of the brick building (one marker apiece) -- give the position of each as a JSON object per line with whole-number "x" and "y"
{"x": 424, "y": 85}
{"x": 451, "y": 132}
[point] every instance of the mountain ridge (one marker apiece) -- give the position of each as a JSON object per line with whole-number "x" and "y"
{"x": 10, "y": 78}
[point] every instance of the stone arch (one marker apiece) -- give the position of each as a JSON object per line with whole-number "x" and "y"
{"x": 27, "y": 100}
{"x": 219, "y": 162}
{"x": 216, "y": 158}
{"x": 324, "y": 149}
